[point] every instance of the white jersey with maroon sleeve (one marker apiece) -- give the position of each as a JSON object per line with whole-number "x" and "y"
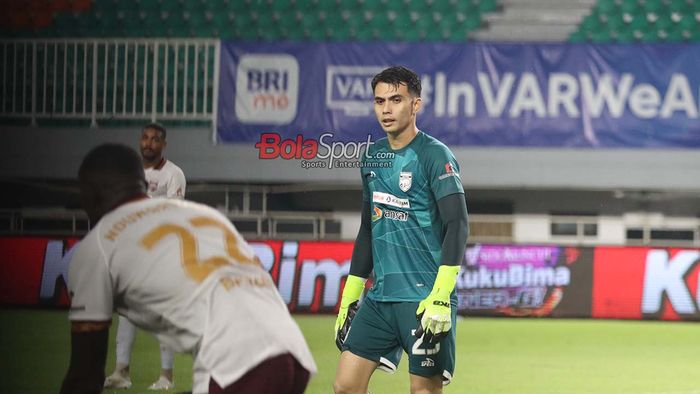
{"x": 165, "y": 179}
{"x": 181, "y": 270}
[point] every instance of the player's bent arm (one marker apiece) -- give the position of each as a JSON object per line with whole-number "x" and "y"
{"x": 453, "y": 212}
{"x": 361, "y": 265}
{"x": 434, "y": 312}
{"x": 88, "y": 357}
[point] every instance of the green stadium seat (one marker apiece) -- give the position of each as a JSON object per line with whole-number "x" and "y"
{"x": 280, "y": 5}
{"x": 373, "y": 5}
{"x": 332, "y": 19}
{"x": 688, "y": 22}
{"x": 305, "y": 5}
{"x": 665, "y": 23}
{"x": 601, "y": 35}
{"x": 339, "y": 33}
{"x": 640, "y": 22}
{"x": 355, "y": 20}
{"x": 488, "y": 5}
{"x": 308, "y": 22}
{"x": 149, "y": 5}
{"x": 466, "y": 7}
{"x": 630, "y": 6}
{"x": 679, "y": 6}
{"x": 655, "y": 6}
{"x": 367, "y": 34}
{"x": 577, "y": 36}
{"x": 607, "y": 7}
{"x": 591, "y": 23}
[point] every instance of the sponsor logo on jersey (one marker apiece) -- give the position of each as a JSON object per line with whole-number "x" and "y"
{"x": 405, "y": 181}
{"x": 449, "y": 171}
{"x": 428, "y": 362}
{"x": 267, "y": 88}
{"x": 390, "y": 199}
{"x": 396, "y": 215}
{"x": 376, "y": 214}
{"x": 389, "y": 214}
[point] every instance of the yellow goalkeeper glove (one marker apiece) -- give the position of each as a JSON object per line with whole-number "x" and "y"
{"x": 434, "y": 312}
{"x": 354, "y": 286}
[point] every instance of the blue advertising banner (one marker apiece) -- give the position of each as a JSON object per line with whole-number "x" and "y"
{"x": 520, "y": 95}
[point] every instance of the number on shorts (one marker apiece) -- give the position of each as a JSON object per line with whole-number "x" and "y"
{"x": 416, "y": 349}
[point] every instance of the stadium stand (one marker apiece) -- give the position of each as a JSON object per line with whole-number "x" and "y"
{"x": 645, "y": 21}
{"x": 362, "y": 20}
{"x": 267, "y": 20}
{"x": 75, "y": 48}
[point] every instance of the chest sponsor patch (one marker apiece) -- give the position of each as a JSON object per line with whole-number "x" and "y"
{"x": 395, "y": 215}
{"x": 390, "y": 199}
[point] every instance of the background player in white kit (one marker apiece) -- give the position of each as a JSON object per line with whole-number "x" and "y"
{"x": 164, "y": 179}
{"x": 182, "y": 271}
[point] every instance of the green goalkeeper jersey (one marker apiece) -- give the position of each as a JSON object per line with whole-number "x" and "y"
{"x": 407, "y": 231}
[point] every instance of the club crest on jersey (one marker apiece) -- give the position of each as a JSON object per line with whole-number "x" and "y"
{"x": 405, "y": 181}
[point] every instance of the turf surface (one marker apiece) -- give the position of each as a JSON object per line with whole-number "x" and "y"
{"x": 493, "y": 356}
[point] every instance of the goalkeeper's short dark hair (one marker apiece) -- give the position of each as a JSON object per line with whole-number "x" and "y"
{"x": 399, "y": 75}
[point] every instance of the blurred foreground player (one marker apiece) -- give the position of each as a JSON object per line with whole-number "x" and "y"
{"x": 164, "y": 179}
{"x": 413, "y": 234}
{"x": 182, "y": 271}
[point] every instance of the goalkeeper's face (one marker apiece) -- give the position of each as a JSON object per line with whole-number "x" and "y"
{"x": 395, "y": 107}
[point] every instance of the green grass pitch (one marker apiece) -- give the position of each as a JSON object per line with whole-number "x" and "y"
{"x": 493, "y": 356}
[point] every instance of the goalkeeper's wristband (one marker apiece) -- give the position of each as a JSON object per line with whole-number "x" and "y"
{"x": 354, "y": 286}
{"x": 446, "y": 280}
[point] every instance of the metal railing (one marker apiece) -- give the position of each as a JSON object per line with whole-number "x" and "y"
{"x": 96, "y": 79}
{"x": 297, "y": 225}
{"x": 252, "y": 225}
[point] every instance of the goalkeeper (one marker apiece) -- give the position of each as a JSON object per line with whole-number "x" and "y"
{"x": 413, "y": 235}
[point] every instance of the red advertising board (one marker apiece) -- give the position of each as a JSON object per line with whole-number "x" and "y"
{"x": 646, "y": 283}
{"x": 309, "y": 275}
{"x": 510, "y": 280}
{"x": 32, "y": 270}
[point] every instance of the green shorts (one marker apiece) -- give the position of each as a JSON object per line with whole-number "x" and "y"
{"x": 382, "y": 331}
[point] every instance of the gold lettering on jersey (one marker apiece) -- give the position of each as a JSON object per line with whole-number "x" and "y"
{"x": 132, "y": 218}
{"x": 232, "y": 247}
{"x": 229, "y": 282}
{"x": 195, "y": 268}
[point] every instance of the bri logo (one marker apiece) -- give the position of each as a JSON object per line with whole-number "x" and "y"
{"x": 267, "y": 89}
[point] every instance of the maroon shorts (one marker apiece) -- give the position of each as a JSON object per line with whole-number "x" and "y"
{"x": 278, "y": 375}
